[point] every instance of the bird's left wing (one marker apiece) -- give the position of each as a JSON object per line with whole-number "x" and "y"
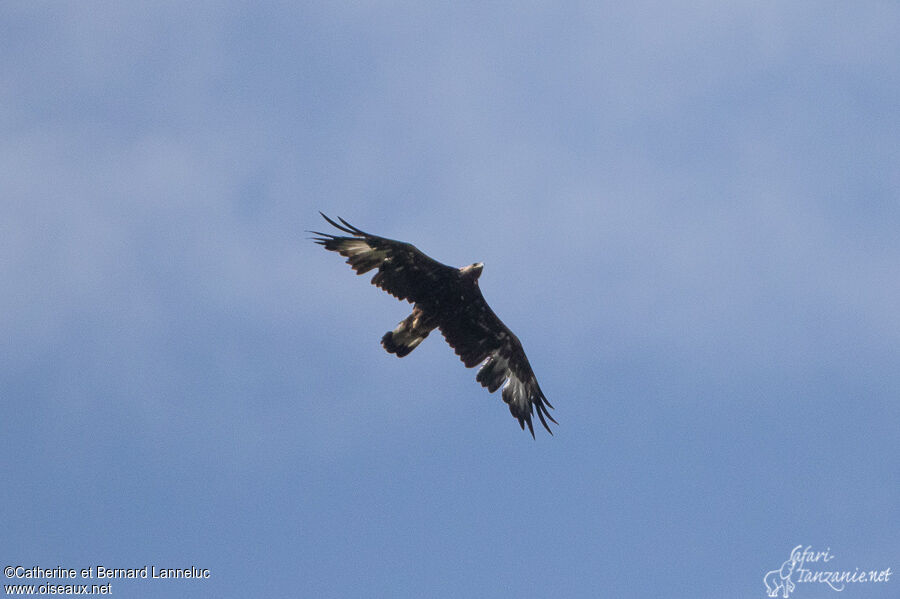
{"x": 404, "y": 271}
{"x": 478, "y": 336}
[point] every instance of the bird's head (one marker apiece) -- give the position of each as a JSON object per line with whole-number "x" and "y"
{"x": 472, "y": 271}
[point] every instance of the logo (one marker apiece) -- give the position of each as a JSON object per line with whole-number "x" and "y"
{"x": 806, "y": 565}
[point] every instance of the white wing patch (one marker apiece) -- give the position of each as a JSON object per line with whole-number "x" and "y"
{"x": 494, "y": 371}
{"x": 522, "y": 397}
{"x": 515, "y": 393}
{"x": 361, "y": 256}
{"x": 355, "y": 247}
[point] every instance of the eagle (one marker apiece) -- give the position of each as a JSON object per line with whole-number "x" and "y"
{"x": 448, "y": 299}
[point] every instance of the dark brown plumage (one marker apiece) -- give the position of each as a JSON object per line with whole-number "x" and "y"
{"x": 449, "y": 299}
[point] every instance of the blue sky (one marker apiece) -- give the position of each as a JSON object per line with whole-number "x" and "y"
{"x": 687, "y": 213}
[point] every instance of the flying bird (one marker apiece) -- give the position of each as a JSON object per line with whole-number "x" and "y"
{"x": 448, "y": 299}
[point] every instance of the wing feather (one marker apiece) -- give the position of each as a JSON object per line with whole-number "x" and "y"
{"x": 404, "y": 271}
{"x": 478, "y": 336}
{"x": 466, "y": 321}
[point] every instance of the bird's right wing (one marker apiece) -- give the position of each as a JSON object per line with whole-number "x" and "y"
{"x": 403, "y": 270}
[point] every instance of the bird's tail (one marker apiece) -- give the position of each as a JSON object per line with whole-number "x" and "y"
{"x": 409, "y": 333}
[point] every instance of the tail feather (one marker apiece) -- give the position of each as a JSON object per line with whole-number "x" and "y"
{"x": 407, "y": 336}
{"x": 394, "y": 344}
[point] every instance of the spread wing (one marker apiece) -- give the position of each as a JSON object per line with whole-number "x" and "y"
{"x": 478, "y": 336}
{"x": 403, "y": 270}
{"x": 463, "y": 316}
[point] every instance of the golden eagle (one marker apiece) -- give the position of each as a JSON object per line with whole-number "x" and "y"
{"x": 446, "y": 298}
